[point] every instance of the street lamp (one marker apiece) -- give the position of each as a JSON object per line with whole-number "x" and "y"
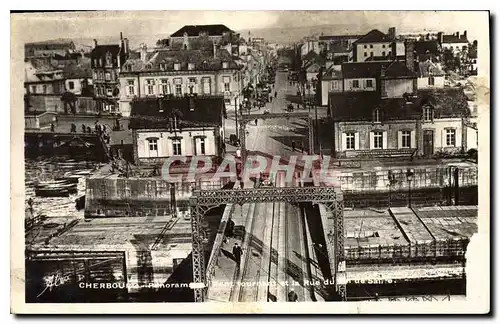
{"x": 392, "y": 182}
{"x": 409, "y": 177}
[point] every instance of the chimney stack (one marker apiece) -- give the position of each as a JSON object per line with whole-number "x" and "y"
{"x": 457, "y": 34}
{"x": 125, "y": 44}
{"x": 409, "y": 55}
{"x": 144, "y": 52}
{"x": 215, "y": 50}
{"x": 440, "y": 37}
{"x": 465, "y": 34}
{"x": 95, "y": 43}
{"x": 392, "y": 33}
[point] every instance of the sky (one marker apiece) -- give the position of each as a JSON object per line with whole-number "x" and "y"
{"x": 132, "y": 23}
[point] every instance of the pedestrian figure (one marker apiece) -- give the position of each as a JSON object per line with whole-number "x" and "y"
{"x": 256, "y": 122}
{"x": 237, "y": 252}
{"x": 89, "y": 130}
{"x": 73, "y": 128}
{"x": 292, "y": 296}
{"x": 52, "y": 127}
{"x": 293, "y": 146}
{"x": 83, "y": 128}
{"x": 275, "y": 94}
{"x": 302, "y": 148}
{"x": 229, "y": 228}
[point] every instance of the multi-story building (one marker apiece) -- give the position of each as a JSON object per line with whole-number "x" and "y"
{"x": 432, "y": 121}
{"x": 60, "y": 47}
{"x": 308, "y": 46}
{"x": 217, "y": 34}
{"x": 178, "y": 73}
{"x": 78, "y": 77}
{"x": 41, "y": 77}
{"x": 430, "y": 75}
{"x": 333, "y": 43}
{"x": 454, "y": 42}
{"x": 106, "y": 63}
{"x": 375, "y": 44}
{"x": 177, "y": 126}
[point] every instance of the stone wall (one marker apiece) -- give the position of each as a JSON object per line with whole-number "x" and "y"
{"x": 53, "y": 103}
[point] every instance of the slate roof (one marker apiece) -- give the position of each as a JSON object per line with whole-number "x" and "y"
{"x": 100, "y": 50}
{"x": 374, "y": 36}
{"x": 332, "y": 74}
{"x": 454, "y": 39}
{"x": 42, "y": 65}
{"x": 195, "y": 30}
{"x": 447, "y": 102}
{"x": 359, "y": 106}
{"x": 164, "y": 60}
{"x": 398, "y": 69}
{"x": 361, "y": 70}
{"x": 426, "y": 47}
{"x": 155, "y": 113}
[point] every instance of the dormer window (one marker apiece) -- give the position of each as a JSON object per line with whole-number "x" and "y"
{"x": 428, "y": 114}
{"x": 177, "y": 66}
{"x": 225, "y": 65}
{"x": 163, "y": 66}
{"x": 149, "y": 66}
{"x": 190, "y": 66}
{"x": 205, "y": 64}
{"x": 376, "y": 115}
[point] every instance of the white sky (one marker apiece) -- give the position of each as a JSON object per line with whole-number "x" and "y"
{"x": 111, "y": 23}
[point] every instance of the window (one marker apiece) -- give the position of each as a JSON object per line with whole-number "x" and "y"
{"x": 431, "y": 80}
{"x": 71, "y": 85}
{"x": 405, "y": 139}
{"x": 107, "y": 76}
{"x": 192, "y": 84}
{"x": 376, "y": 115}
{"x": 131, "y": 88}
{"x": 225, "y": 65}
{"x": 163, "y": 66}
{"x": 389, "y": 53}
{"x": 450, "y": 137}
{"x": 206, "y": 85}
{"x": 150, "y": 86}
{"x": 383, "y": 54}
{"x": 371, "y": 54}
{"x": 176, "y": 147}
{"x": 177, "y": 66}
{"x": 95, "y": 75}
{"x": 202, "y": 145}
{"x": 227, "y": 83}
{"x": 355, "y": 83}
{"x": 366, "y": 54}
{"x": 364, "y": 46}
{"x": 349, "y": 141}
{"x": 428, "y": 114}
{"x": 371, "y": 45}
{"x": 383, "y": 45}
{"x": 369, "y": 83}
{"x": 191, "y": 66}
{"x": 164, "y": 86}
{"x": 153, "y": 144}
{"x": 377, "y": 140}
{"x": 101, "y": 75}
{"x": 109, "y": 92}
{"x": 44, "y": 89}
{"x": 178, "y": 89}
{"x": 33, "y": 89}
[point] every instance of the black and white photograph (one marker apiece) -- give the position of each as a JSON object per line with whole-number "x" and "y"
{"x": 242, "y": 160}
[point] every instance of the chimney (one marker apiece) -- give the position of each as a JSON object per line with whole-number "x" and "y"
{"x": 465, "y": 34}
{"x": 121, "y": 36}
{"x": 215, "y": 50}
{"x": 440, "y": 37}
{"x": 144, "y": 52}
{"x": 95, "y": 43}
{"x": 457, "y": 34}
{"x": 392, "y": 33}
{"x": 125, "y": 43}
{"x": 409, "y": 55}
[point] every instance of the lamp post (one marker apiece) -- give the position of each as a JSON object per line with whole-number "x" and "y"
{"x": 392, "y": 182}
{"x": 409, "y": 177}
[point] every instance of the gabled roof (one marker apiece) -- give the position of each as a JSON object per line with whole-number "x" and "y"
{"x": 155, "y": 113}
{"x": 361, "y": 70}
{"x": 195, "y": 30}
{"x": 374, "y": 36}
{"x": 164, "y": 60}
{"x": 454, "y": 39}
{"x": 81, "y": 70}
{"x": 331, "y": 74}
{"x": 398, "y": 69}
{"x": 101, "y": 50}
{"x": 359, "y": 106}
{"x": 59, "y": 43}
{"x": 42, "y": 65}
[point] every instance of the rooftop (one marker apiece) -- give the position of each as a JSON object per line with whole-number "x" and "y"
{"x": 455, "y": 39}
{"x": 80, "y": 70}
{"x": 374, "y": 36}
{"x": 60, "y": 42}
{"x": 195, "y": 30}
{"x": 153, "y": 113}
{"x": 101, "y": 50}
{"x": 338, "y": 37}
{"x": 447, "y": 102}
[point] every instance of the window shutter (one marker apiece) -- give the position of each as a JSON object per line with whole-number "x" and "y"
{"x": 196, "y": 87}
{"x": 222, "y": 87}
{"x": 146, "y": 89}
{"x": 443, "y": 138}
{"x": 146, "y": 148}
{"x": 384, "y": 140}
{"x": 413, "y": 140}
{"x": 169, "y": 88}
{"x": 372, "y": 141}
{"x": 400, "y": 139}
{"x": 160, "y": 88}
{"x": 344, "y": 139}
{"x": 356, "y": 141}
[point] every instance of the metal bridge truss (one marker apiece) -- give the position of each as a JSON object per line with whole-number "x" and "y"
{"x": 244, "y": 119}
{"x": 203, "y": 200}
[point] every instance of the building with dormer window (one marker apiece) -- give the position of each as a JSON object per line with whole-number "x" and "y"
{"x": 180, "y": 73}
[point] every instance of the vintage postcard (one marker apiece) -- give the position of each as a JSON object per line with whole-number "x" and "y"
{"x": 236, "y": 162}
